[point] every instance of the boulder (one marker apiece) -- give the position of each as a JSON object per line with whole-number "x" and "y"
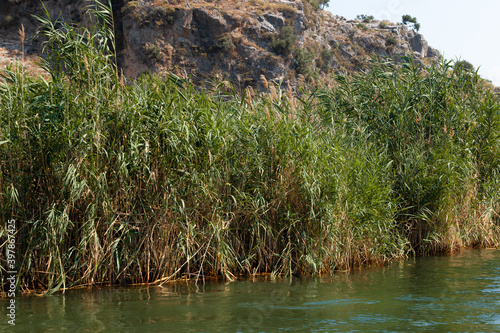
{"x": 420, "y": 45}
{"x": 276, "y": 21}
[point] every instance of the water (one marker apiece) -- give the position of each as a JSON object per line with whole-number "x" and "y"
{"x": 459, "y": 293}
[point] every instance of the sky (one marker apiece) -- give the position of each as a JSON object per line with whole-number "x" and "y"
{"x": 459, "y": 29}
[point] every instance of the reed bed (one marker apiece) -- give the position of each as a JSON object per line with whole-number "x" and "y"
{"x": 151, "y": 180}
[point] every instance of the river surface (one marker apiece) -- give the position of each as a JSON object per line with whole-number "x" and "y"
{"x": 459, "y": 293}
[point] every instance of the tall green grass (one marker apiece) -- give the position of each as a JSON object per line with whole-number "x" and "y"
{"x": 151, "y": 180}
{"x": 439, "y": 126}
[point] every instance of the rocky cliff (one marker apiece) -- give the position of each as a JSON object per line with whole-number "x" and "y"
{"x": 247, "y": 42}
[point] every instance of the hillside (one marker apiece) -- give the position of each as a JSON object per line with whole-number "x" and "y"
{"x": 247, "y": 42}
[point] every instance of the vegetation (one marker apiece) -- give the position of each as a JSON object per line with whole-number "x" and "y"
{"x": 362, "y": 26}
{"x": 391, "y": 40}
{"x": 464, "y": 65}
{"x": 284, "y": 42}
{"x": 225, "y": 43}
{"x": 365, "y": 18}
{"x": 152, "y": 51}
{"x": 317, "y": 4}
{"x": 161, "y": 14}
{"x": 407, "y": 19}
{"x": 323, "y": 61}
{"x": 304, "y": 62}
{"x": 153, "y": 180}
{"x": 382, "y": 25}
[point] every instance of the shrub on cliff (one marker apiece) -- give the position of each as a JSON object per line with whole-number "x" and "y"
{"x": 283, "y": 43}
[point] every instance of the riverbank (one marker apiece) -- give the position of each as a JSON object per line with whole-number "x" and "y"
{"x": 116, "y": 181}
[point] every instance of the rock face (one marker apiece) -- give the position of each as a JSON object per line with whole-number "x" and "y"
{"x": 496, "y": 91}
{"x": 419, "y": 44}
{"x": 241, "y": 41}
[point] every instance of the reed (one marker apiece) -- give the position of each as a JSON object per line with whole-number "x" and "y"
{"x": 436, "y": 126}
{"x": 154, "y": 179}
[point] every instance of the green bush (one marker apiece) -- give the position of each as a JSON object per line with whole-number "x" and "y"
{"x": 284, "y": 42}
{"x": 362, "y": 26}
{"x": 391, "y": 40}
{"x": 152, "y": 51}
{"x": 225, "y": 43}
{"x": 304, "y": 61}
{"x": 325, "y": 58}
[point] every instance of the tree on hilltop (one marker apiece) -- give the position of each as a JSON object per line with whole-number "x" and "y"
{"x": 323, "y": 3}
{"x": 407, "y": 19}
{"x": 316, "y": 4}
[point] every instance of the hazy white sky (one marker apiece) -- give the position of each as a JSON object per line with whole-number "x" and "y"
{"x": 464, "y": 29}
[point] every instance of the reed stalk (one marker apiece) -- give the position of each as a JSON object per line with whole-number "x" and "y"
{"x": 156, "y": 179}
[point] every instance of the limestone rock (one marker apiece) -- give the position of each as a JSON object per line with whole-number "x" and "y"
{"x": 235, "y": 40}
{"x": 277, "y": 21}
{"x": 420, "y": 45}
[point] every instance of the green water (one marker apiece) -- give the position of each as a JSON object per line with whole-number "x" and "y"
{"x": 459, "y": 293}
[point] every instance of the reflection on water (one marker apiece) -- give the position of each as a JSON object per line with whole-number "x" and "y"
{"x": 459, "y": 293}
